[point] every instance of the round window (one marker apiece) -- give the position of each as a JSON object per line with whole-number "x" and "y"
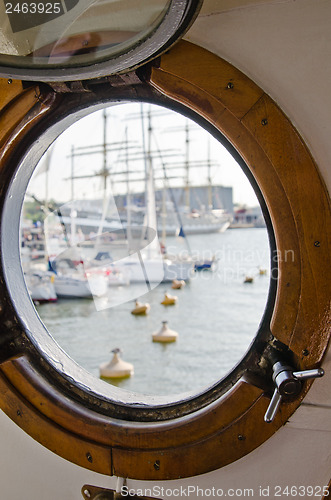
{"x": 141, "y": 233}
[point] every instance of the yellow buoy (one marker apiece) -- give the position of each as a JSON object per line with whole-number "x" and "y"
{"x": 178, "y": 284}
{"x": 169, "y": 300}
{"x": 262, "y": 272}
{"x": 116, "y": 368}
{"x": 165, "y": 334}
{"x": 140, "y": 308}
{"x": 249, "y": 279}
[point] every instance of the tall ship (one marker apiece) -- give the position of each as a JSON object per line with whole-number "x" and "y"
{"x": 194, "y": 222}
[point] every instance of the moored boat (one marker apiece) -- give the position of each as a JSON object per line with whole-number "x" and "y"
{"x": 72, "y": 281}
{"x": 41, "y": 286}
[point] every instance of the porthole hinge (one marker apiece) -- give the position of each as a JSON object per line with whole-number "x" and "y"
{"x": 288, "y": 383}
{"x": 69, "y": 87}
{"x": 83, "y": 86}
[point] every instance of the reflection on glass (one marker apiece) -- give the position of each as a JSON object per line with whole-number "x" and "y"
{"x": 74, "y": 32}
{"x": 135, "y": 242}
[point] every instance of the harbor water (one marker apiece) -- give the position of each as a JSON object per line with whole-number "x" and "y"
{"x": 216, "y": 316}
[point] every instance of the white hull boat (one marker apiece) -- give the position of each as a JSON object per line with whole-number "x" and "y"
{"x": 79, "y": 286}
{"x": 41, "y": 287}
{"x": 154, "y": 270}
{"x": 73, "y": 280}
{"x": 197, "y": 225}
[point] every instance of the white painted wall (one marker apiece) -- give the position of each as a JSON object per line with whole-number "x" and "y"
{"x": 285, "y": 47}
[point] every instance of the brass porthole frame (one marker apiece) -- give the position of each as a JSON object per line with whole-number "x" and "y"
{"x": 231, "y": 426}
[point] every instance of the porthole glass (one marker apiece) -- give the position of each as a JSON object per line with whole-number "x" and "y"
{"x": 74, "y": 39}
{"x": 150, "y": 215}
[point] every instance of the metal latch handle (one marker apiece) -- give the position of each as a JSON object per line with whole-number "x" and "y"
{"x": 287, "y": 383}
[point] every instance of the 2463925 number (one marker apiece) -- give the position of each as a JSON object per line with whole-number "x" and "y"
{"x": 301, "y": 491}
{"x": 33, "y": 8}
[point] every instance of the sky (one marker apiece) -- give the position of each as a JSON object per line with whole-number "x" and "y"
{"x": 168, "y": 139}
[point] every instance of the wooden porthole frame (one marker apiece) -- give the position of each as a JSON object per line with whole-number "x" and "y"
{"x": 66, "y": 417}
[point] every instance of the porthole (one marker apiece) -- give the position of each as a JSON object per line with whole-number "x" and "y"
{"x": 150, "y": 438}
{"x": 130, "y": 405}
{"x": 137, "y": 169}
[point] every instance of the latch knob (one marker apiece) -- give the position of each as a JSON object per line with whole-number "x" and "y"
{"x": 287, "y": 383}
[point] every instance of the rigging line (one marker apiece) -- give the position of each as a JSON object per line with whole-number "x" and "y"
{"x": 63, "y": 226}
{"x": 172, "y": 196}
{"x": 146, "y": 165}
{"x": 144, "y": 270}
{"x": 107, "y": 173}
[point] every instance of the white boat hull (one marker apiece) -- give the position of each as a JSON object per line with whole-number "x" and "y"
{"x": 155, "y": 270}
{"x": 41, "y": 287}
{"x": 75, "y": 287}
{"x": 197, "y": 228}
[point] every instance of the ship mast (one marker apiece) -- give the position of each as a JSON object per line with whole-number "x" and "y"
{"x": 187, "y": 167}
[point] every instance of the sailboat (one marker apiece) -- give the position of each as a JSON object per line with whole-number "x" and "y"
{"x": 181, "y": 219}
{"x": 66, "y": 266}
{"x": 197, "y": 223}
{"x": 142, "y": 261}
{"x": 41, "y": 287}
{"x": 148, "y": 264}
{"x": 73, "y": 281}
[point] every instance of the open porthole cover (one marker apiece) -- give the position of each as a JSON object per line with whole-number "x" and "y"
{"x": 191, "y": 437}
{"x": 76, "y": 40}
